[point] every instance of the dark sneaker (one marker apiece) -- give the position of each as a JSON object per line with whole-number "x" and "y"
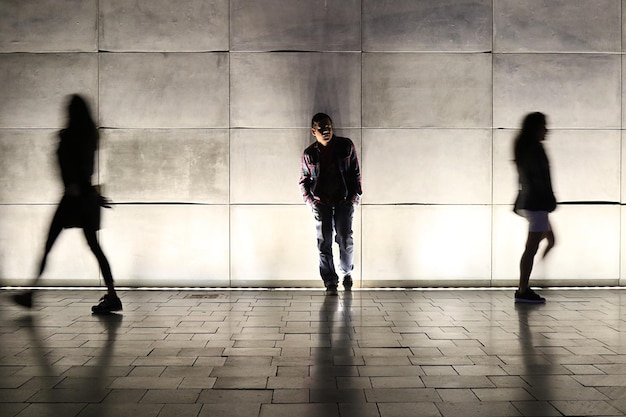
{"x": 529, "y": 297}
{"x": 24, "y": 299}
{"x": 347, "y": 283}
{"x": 107, "y": 304}
{"x": 331, "y": 290}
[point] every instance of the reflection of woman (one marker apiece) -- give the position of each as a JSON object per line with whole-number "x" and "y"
{"x": 535, "y": 199}
{"x": 80, "y": 205}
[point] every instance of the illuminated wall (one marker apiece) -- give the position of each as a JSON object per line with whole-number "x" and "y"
{"x": 204, "y": 108}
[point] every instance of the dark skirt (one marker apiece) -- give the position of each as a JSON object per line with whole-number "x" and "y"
{"x": 79, "y": 211}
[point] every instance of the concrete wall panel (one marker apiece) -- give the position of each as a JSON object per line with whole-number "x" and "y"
{"x": 505, "y": 181}
{"x": 278, "y": 244}
{"x": 585, "y": 165}
{"x": 35, "y": 86}
{"x": 164, "y": 90}
{"x": 574, "y": 90}
{"x": 623, "y": 90}
{"x": 557, "y": 26}
{"x": 587, "y": 246}
{"x": 623, "y": 170}
{"x": 49, "y": 26}
{"x": 165, "y": 165}
{"x": 448, "y": 25}
{"x": 405, "y": 90}
{"x": 24, "y": 230}
{"x": 443, "y": 166}
{"x": 183, "y": 245}
{"x": 164, "y": 26}
{"x": 426, "y": 243}
{"x": 265, "y": 164}
{"x": 278, "y": 90}
{"x": 28, "y": 167}
{"x": 295, "y": 25}
{"x": 622, "y": 280}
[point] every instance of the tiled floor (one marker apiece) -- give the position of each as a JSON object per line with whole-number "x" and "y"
{"x": 299, "y": 353}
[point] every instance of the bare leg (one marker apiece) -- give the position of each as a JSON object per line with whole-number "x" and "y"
{"x": 549, "y": 235}
{"x": 527, "y": 260}
{"x": 53, "y": 234}
{"x": 92, "y": 241}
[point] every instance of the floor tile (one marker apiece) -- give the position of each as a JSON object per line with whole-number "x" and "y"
{"x": 51, "y": 410}
{"x": 309, "y": 410}
{"x": 586, "y": 408}
{"x": 409, "y": 409}
{"x": 229, "y": 409}
{"x": 477, "y": 409}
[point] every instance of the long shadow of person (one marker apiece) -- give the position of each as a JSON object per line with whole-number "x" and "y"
{"x": 324, "y": 352}
{"x": 537, "y": 371}
{"x": 335, "y": 354}
{"x": 42, "y": 358}
{"x": 67, "y": 392}
{"x": 46, "y": 374}
{"x": 99, "y": 375}
{"x": 81, "y": 203}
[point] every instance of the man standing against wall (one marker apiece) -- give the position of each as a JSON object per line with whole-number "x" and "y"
{"x": 330, "y": 181}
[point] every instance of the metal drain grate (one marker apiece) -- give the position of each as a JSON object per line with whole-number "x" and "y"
{"x": 206, "y": 296}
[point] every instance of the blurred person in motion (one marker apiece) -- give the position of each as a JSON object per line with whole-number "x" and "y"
{"x": 535, "y": 198}
{"x": 330, "y": 181}
{"x": 81, "y": 203}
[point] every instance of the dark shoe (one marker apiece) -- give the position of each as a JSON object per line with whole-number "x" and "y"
{"x": 347, "y": 283}
{"x": 529, "y": 297}
{"x": 24, "y": 299}
{"x": 331, "y": 290}
{"x": 107, "y": 304}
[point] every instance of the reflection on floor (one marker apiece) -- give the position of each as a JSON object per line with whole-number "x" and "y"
{"x": 299, "y": 353}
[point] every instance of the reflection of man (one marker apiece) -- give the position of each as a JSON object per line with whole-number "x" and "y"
{"x": 331, "y": 184}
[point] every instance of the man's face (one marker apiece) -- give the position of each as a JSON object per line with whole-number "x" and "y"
{"x": 323, "y": 131}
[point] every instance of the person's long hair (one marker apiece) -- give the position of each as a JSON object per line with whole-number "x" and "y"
{"x": 532, "y": 125}
{"x": 80, "y": 133}
{"x": 79, "y": 117}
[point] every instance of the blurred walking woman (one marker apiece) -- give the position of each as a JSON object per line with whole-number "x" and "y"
{"x": 81, "y": 203}
{"x": 535, "y": 198}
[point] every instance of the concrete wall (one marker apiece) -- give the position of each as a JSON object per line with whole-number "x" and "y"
{"x": 204, "y": 108}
